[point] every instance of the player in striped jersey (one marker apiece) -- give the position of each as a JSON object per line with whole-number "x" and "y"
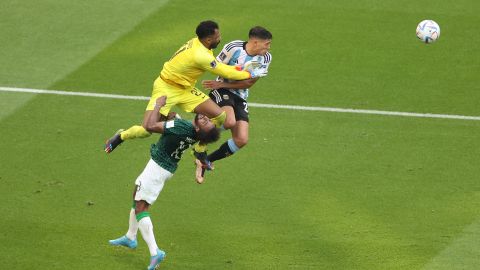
{"x": 232, "y": 95}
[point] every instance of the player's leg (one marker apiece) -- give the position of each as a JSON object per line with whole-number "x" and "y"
{"x": 146, "y": 229}
{"x": 133, "y": 132}
{"x": 160, "y": 88}
{"x": 199, "y": 102}
{"x": 239, "y": 139}
{"x": 212, "y": 111}
{"x": 150, "y": 183}
{"x": 196, "y": 101}
{"x": 239, "y": 131}
{"x": 130, "y": 238}
{"x": 230, "y": 120}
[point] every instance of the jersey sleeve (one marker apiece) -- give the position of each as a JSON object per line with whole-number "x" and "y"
{"x": 226, "y": 54}
{"x": 267, "y": 59}
{"x": 208, "y": 62}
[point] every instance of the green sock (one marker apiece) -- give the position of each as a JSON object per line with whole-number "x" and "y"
{"x": 142, "y": 215}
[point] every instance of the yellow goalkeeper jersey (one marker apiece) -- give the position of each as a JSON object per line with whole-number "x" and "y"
{"x": 191, "y": 61}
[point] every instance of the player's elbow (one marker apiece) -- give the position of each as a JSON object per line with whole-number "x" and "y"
{"x": 249, "y": 85}
{"x": 150, "y": 127}
{"x": 250, "y": 82}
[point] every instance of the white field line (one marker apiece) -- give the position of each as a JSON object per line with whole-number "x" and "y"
{"x": 258, "y": 105}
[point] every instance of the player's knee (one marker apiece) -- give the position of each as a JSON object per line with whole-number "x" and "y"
{"x": 141, "y": 206}
{"x": 241, "y": 141}
{"x": 229, "y": 123}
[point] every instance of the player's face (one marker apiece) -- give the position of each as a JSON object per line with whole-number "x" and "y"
{"x": 262, "y": 46}
{"x": 215, "y": 39}
{"x": 204, "y": 123}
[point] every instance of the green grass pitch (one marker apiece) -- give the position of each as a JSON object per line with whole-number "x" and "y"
{"x": 312, "y": 190}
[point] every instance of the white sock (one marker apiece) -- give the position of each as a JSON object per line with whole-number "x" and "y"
{"x": 132, "y": 226}
{"x": 146, "y": 228}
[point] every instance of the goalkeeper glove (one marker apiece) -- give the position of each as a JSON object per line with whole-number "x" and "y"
{"x": 258, "y": 73}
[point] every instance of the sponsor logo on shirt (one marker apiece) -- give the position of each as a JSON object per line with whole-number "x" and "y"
{"x": 222, "y": 56}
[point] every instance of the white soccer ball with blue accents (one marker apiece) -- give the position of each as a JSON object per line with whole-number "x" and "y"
{"x": 428, "y": 31}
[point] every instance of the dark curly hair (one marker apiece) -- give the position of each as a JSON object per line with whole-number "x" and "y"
{"x": 206, "y": 137}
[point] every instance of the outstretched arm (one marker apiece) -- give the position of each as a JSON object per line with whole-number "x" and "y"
{"x": 209, "y": 63}
{"x": 230, "y": 72}
{"x": 212, "y": 84}
{"x": 153, "y": 123}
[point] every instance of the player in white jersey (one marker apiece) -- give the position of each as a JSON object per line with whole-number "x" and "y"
{"x": 231, "y": 95}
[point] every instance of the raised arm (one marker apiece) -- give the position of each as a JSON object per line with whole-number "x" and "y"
{"x": 153, "y": 123}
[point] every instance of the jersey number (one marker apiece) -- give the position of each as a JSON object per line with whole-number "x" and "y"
{"x": 185, "y": 46}
{"x": 198, "y": 93}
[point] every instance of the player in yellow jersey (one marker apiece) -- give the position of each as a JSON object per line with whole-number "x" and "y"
{"x": 178, "y": 78}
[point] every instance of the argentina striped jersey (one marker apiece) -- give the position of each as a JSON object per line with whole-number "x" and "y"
{"x": 234, "y": 54}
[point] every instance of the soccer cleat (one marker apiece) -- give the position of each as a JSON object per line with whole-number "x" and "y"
{"x": 203, "y": 158}
{"x": 114, "y": 141}
{"x": 124, "y": 241}
{"x": 156, "y": 260}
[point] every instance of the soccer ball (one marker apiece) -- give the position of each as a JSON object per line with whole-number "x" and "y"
{"x": 428, "y": 31}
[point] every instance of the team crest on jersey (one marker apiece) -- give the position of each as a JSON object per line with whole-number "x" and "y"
{"x": 226, "y": 97}
{"x": 213, "y": 64}
{"x": 222, "y": 56}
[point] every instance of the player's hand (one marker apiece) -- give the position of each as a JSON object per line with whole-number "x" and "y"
{"x": 211, "y": 84}
{"x": 161, "y": 101}
{"x": 199, "y": 172}
{"x": 258, "y": 73}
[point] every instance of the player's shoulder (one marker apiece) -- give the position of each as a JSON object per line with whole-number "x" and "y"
{"x": 183, "y": 122}
{"x": 203, "y": 56}
{"x": 235, "y": 44}
{"x": 267, "y": 58}
{"x": 178, "y": 122}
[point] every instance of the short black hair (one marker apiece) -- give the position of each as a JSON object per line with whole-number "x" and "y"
{"x": 206, "y": 28}
{"x": 259, "y": 32}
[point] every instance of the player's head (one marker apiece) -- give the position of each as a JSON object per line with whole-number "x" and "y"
{"x": 209, "y": 33}
{"x": 206, "y": 130}
{"x": 260, "y": 40}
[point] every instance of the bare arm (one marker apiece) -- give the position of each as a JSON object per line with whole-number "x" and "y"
{"x": 212, "y": 84}
{"x": 153, "y": 123}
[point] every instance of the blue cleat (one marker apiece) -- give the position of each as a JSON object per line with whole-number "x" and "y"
{"x": 156, "y": 260}
{"x": 124, "y": 241}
